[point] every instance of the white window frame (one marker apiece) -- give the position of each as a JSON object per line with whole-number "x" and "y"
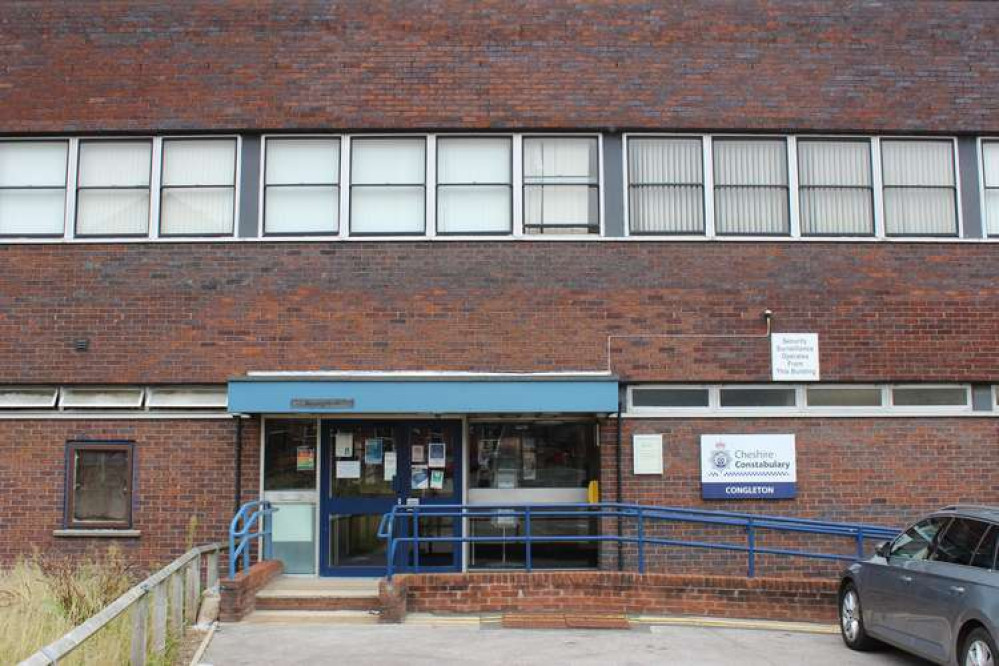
{"x": 437, "y": 184}
{"x": 237, "y": 175}
{"x": 69, "y": 187}
{"x": 980, "y": 154}
{"x": 955, "y": 163}
{"x": 791, "y": 140}
{"x": 429, "y": 171}
{"x": 155, "y": 173}
{"x": 801, "y": 408}
{"x": 519, "y": 185}
{"x": 344, "y": 171}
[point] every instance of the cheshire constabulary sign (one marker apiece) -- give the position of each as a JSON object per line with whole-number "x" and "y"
{"x": 748, "y": 467}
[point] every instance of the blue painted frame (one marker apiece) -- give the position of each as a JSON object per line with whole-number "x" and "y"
{"x": 379, "y": 506}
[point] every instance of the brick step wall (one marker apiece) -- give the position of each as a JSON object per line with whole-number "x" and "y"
{"x": 317, "y": 603}
{"x": 808, "y": 600}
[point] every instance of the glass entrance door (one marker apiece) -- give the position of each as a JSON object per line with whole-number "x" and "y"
{"x": 370, "y": 466}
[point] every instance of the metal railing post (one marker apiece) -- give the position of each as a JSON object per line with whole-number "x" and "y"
{"x": 528, "y": 535}
{"x": 641, "y": 541}
{"x": 416, "y": 539}
{"x": 860, "y": 543}
{"x": 751, "y": 539}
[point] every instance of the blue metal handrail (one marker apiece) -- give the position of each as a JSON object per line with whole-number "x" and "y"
{"x": 639, "y": 514}
{"x": 240, "y": 535}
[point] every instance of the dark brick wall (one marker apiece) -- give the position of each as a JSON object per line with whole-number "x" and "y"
{"x": 878, "y": 471}
{"x": 751, "y": 64}
{"x": 203, "y": 312}
{"x": 184, "y": 470}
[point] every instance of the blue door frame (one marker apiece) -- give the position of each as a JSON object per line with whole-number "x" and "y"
{"x": 405, "y": 433}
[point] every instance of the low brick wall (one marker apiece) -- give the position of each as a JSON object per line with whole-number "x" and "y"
{"x": 611, "y": 592}
{"x": 239, "y": 594}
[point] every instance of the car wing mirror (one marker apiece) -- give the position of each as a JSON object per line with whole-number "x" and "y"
{"x": 883, "y": 549}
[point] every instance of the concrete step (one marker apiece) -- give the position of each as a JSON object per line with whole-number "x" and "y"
{"x": 311, "y": 617}
{"x": 274, "y": 602}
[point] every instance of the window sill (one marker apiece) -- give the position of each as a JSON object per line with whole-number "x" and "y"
{"x": 115, "y": 533}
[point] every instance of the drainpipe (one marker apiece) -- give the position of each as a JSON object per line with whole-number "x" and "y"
{"x": 620, "y": 545}
{"x": 238, "y": 482}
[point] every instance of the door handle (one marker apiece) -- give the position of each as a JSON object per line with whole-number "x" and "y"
{"x": 905, "y": 579}
{"x": 957, "y": 589}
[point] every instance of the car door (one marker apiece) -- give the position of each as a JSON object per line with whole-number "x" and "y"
{"x": 939, "y": 585}
{"x": 886, "y": 597}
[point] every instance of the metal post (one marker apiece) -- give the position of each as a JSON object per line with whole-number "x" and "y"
{"x": 860, "y": 542}
{"x": 751, "y": 538}
{"x": 527, "y": 535}
{"x": 159, "y": 618}
{"x": 268, "y": 526}
{"x": 416, "y": 537}
{"x": 641, "y": 541}
{"x": 140, "y": 610}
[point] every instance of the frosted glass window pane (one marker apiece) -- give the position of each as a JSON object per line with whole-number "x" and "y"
{"x": 188, "y": 162}
{"x": 471, "y": 161}
{"x": 990, "y": 156}
{"x": 835, "y": 163}
{"x": 115, "y": 163}
{"x": 560, "y": 205}
{"x": 836, "y": 211}
{"x": 387, "y": 210}
{"x": 844, "y": 397}
{"x": 991, "y": 211}
{"x": 290, "y": 210}
{"x": 303, "y": 161}
{"x": 550, "y": 159}
{"x": 473, "y": 209}
{"x": 919, "y": 163}
{"x": 388, "y": 161}
{"x": 750, "y": 162}
{"x": 112, "y": 212}
{"x": 32, "y": 212}
{"x": 33, "y": 163}
{"x": 928, "y": 397}
{"x": 194, "y": 211}
{"x": 665, "y": 161}
{"x": 671, "y": 209}
{"x": 920, "y": 211}
{"x": 750, "y": 210}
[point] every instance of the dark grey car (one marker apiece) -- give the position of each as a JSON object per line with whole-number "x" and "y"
{"x": 933, "y": 591}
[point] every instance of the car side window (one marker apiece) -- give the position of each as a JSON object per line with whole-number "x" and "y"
{"x": 985, "y": 554}
{"x": 916, "y": 542}
{"x": 958, "y": 543}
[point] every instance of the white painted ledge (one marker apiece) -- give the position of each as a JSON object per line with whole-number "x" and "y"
{"x": 126, "y": 534}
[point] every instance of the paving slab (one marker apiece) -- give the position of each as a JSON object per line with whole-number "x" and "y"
{"x": 416, "y": 644}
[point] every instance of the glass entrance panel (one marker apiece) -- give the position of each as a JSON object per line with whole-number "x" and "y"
{"x": 364, "y": 461}
{"x": 290, "y": 476}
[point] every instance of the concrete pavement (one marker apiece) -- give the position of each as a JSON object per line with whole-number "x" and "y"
{"x": 248, "y": 644}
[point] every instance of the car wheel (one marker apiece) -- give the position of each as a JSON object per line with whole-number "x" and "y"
{"x": 851, "y": 620}
{"x": 979, "y": 650}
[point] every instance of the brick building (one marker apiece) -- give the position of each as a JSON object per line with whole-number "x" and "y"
{"x": 347, "y": 256}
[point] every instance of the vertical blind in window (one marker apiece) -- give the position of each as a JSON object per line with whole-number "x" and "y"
{"x": 561, "y": 191}
{"x": 112, "y": 197}
{"x": 920, "y": 193}
{"x": 301, "y": 186}
{"x": 990, "y": 157}
{"x": 474, "y": 182}
{"x": 33, "y": 187}
{"x": 199, "y": 187}
{"x": 388, "y": 186}
{"x": 835, "y": 188}
{"x": 751, "y": 190}
{"x": 666, "y": 186}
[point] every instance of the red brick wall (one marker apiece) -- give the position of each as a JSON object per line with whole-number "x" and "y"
{"x": 606, "y": 592}
{"x": 806, "y": 64}
{"x": 203, "y": 312}
{"x": 184, "y": 469}
{"x": 875, "y": 470}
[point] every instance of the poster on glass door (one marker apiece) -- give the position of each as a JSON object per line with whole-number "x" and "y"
{"x": 748, "y": 467}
